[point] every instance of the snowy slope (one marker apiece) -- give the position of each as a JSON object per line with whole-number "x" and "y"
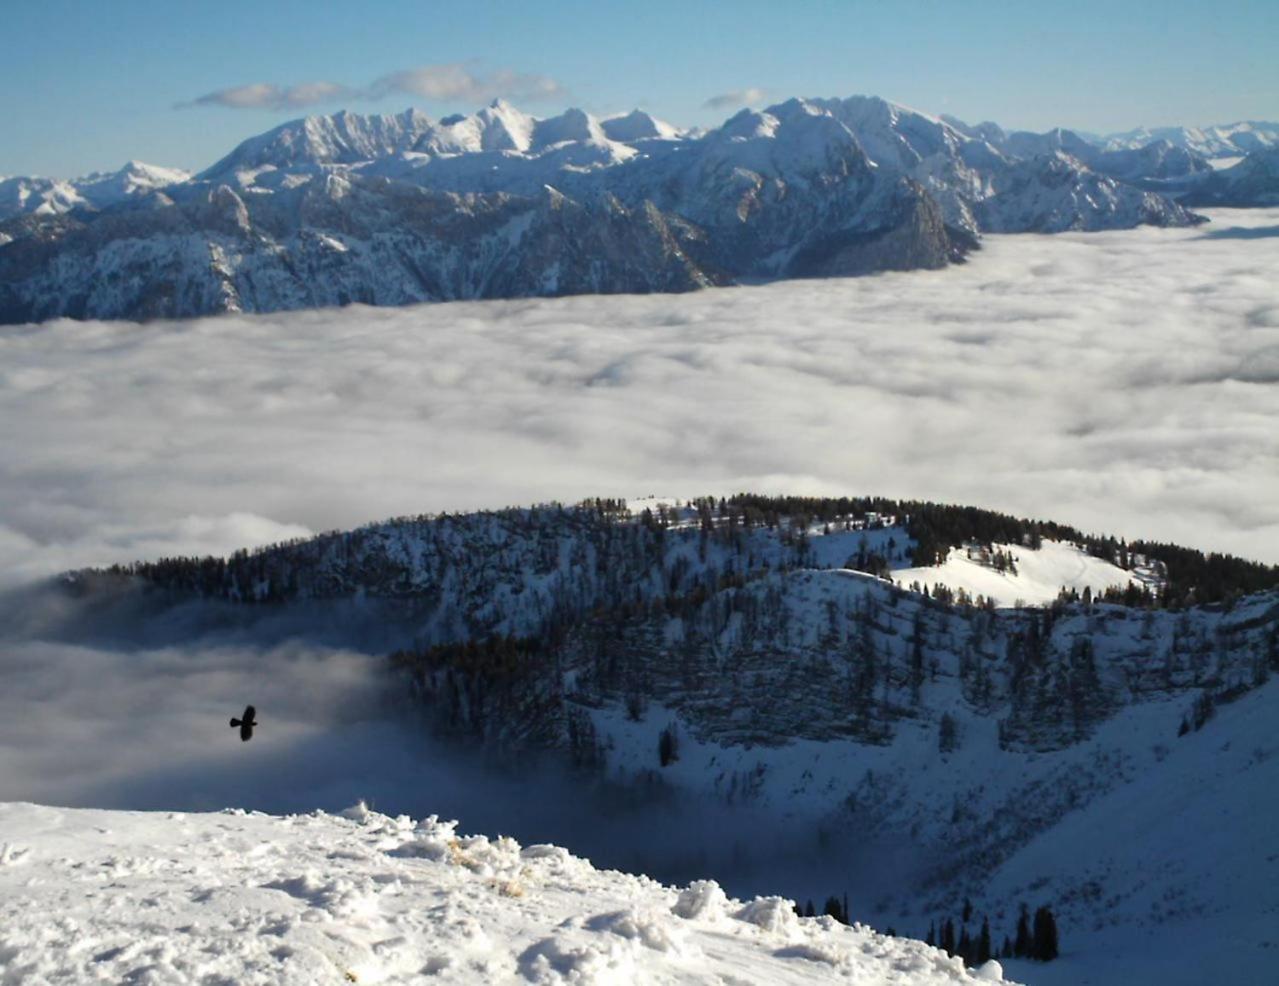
{"x": 1248, "y": 183}
{"x": 1039, "y": 577}
{"x": 231, "y": 897}
{"x": 1173, "y": 876}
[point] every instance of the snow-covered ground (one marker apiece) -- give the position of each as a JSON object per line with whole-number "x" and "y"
{"x": 1039, "y": 575}
{"x": 97, "y": 896}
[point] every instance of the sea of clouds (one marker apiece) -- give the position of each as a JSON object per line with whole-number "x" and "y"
{"x": 1124, "y": 382}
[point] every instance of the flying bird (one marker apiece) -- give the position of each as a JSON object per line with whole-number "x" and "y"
{"x": 245, "y": 723}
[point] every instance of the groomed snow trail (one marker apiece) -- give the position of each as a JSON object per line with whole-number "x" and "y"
{"x": 98, "y": 896}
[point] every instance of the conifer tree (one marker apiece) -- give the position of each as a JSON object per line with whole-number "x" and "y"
{"x": 1045, "y": 941}
{"x": 948, "y": 937}
{"x": 1022, "y": 946}
{"x": 668, "y": 746}
{"x": 983, "y": 942}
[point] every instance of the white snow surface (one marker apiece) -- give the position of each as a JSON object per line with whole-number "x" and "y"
{"x": 1039, "y": 578}
{"x": 231, "y": 897}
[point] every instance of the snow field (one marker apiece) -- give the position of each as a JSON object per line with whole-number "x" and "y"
{"x": 1040, "y": 575}
{"x": 97, "y": 896}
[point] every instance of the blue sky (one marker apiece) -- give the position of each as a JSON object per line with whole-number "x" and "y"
{"x": 89, "y": 85}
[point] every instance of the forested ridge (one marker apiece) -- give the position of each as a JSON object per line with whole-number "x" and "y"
{"x": 280, "y": 571}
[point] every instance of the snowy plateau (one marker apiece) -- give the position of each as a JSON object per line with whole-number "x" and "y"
{"x": 392, "y": 210}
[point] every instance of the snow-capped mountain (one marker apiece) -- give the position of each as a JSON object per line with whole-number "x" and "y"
{"x": 343, "y": 138}
{"x": 1252, "y": 182}
{"x": 391, "y": 210}
{"x": 54, "y": 196}
{"x": 989, "y": 181}
{"x": 632, "y": 127}
{"x": 364, "y": 898}
{"x": 1222, "y": 140}
{"x": 962, "y": 685}
{"x": 284, "y": 236}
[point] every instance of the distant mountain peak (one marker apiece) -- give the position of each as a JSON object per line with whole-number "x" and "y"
{"x": 638, "y": 125}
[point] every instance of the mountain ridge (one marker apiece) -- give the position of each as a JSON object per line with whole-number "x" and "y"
{"x": 399, "y": 209}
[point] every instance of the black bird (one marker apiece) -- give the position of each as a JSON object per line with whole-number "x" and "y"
{"x": 245, "y": 723}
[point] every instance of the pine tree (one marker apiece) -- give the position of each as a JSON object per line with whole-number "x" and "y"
{"x": 1023, "y": 944}
{"x": 967, "y": 914}
{"x": 668, "y": 746}
{"x": 1045, "y": 943}
{"x": 983, "y": 942}
{"x": 948, "y": 937}
{"x": 1007, "y": 951}
{"x": 932, "y": 934}
{"x": 965, "y": 946}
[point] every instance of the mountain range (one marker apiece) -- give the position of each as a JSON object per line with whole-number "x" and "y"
{"x": 1223, "y": 140}
{"x": 390, "y": 210}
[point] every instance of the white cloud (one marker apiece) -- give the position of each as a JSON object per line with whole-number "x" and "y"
{"x": 457, "y": 83}
{"x": 444, "y": 83}
{"x": 264, "y": 95}
{"x": 734, "y": 98}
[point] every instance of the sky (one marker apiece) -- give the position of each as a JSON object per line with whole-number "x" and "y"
{"x": 89, "y": 86}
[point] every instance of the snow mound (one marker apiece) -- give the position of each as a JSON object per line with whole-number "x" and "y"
{"x": 775, "y": 914}
{"x": 701, "y": 899}
{"x": 361, "y": 897}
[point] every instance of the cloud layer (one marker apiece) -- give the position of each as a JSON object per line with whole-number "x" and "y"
{"x": 1125, "y": 382}
{"x": 444, "y": 83}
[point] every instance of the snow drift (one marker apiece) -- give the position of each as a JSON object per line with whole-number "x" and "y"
{"x": 364, "y": 898}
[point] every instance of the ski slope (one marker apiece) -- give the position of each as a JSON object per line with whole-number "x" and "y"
{"x": 97, "y": 896}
